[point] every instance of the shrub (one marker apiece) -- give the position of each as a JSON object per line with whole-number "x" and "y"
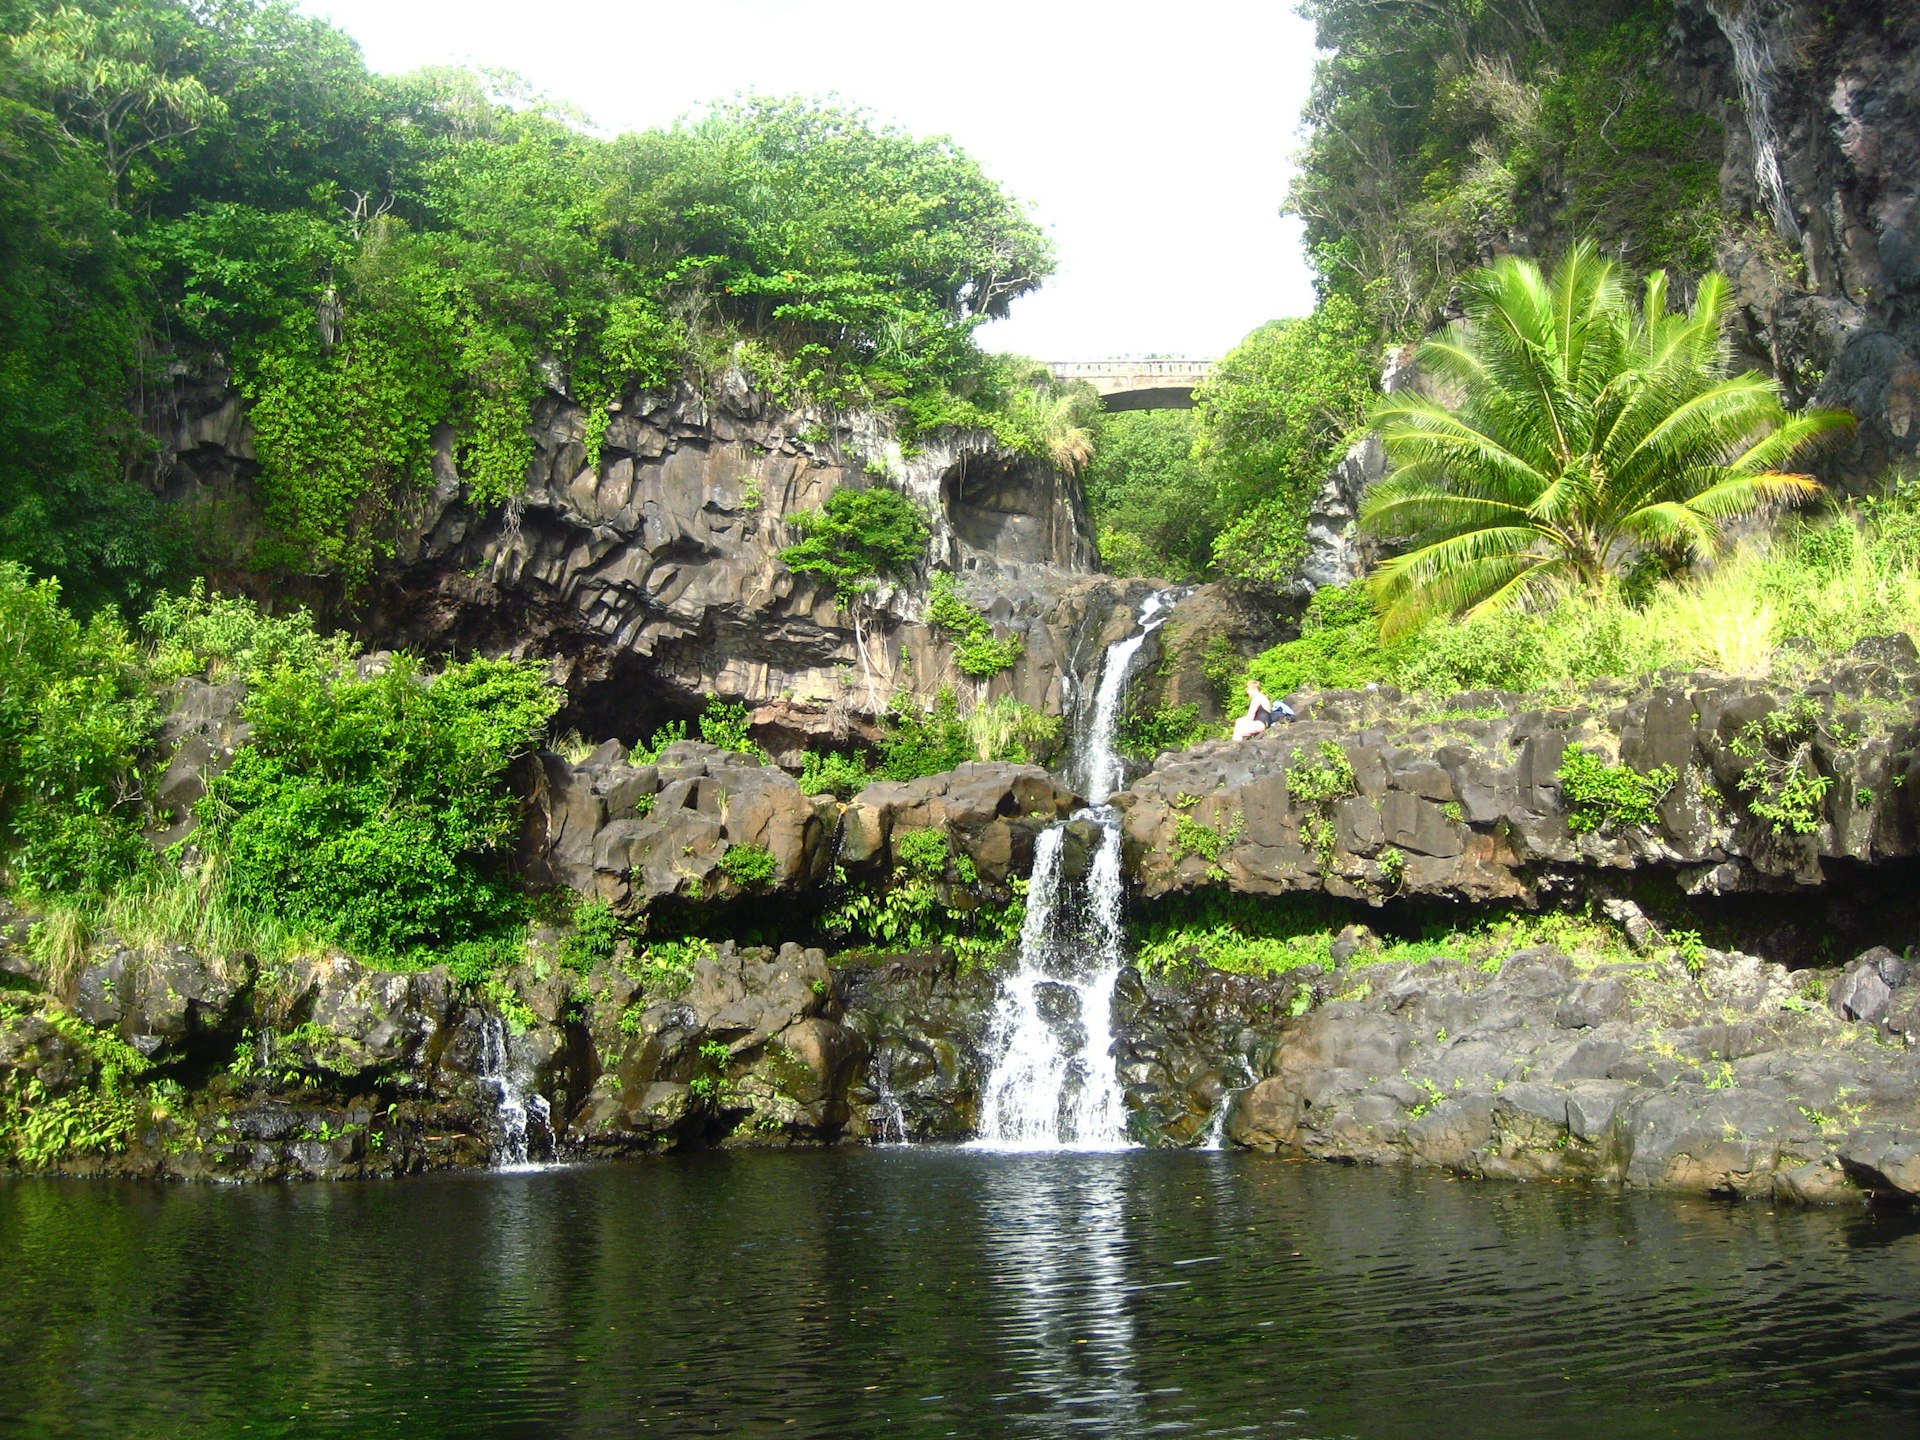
{"x": 724, "y": 725}
{"x": 596, "y": 934}
{"x": 977, "y": 650}
{"x": 860, "y": 538}
{"x": 748, "y": 866}
{"x": 1600, "y": 796}
{"x": 374, "y": 810}
{"x": 1783, "y": 783}
{"x": 1171, "y": 727}
{"x": 1010, "y": 730}
{"x": 924, "y": 742}
{"x": 220, "y": 636}
{"x": 73, "y": 717}
{"x": 922, "y": 854}
{"x": 833, "y": 773}
{"x": 1339, "y": 647}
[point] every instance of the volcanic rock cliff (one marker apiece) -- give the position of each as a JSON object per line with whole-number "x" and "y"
{"x": 1820, "y": 109}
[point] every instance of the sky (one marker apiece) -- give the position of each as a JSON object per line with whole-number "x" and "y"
{"x": 1152, "y": 141}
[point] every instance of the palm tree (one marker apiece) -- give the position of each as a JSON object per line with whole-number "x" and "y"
{"x": 1588, "y": 435}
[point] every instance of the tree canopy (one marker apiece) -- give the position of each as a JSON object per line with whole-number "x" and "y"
{"x": 374, "y": 256}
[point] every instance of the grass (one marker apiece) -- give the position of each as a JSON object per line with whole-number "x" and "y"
{"x": 1254, "y": 936}
{"x": 1778, "y": 606}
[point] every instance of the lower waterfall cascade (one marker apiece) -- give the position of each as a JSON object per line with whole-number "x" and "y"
{"x": 1053, "y": 1083}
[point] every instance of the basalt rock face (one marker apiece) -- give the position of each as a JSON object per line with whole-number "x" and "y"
{"x": 1733, "y": 1080}
{"x": 1820, "y": 107}
{"x": 683, "y": 827}
{"x": 1379, "y": 797}
{"x": 649, "y": 573}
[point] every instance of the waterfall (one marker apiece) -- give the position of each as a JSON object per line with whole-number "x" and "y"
{"x": 1053, "y": 1082}
{"x": 890, "y": 1118}
{"x": 516, "y": 1110}
{"x": 1215, "y": 1137}
{"x": 1756, "y": 30}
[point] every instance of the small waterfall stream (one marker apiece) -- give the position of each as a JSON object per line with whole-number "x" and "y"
{"x": 1757, "y": 32}
{"x": 519, "y": 1112}
{"x": 1053, "y": 1083}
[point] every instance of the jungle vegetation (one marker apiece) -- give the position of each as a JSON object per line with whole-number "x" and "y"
{"x": 223, "y": 183}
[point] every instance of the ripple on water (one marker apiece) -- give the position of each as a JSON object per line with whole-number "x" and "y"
{"x": 941, "y": 1291}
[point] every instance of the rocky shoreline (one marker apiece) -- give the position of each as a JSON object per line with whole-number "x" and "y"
{"x": 1731, "y": 1076}
{"x": 1753, "y": 1060}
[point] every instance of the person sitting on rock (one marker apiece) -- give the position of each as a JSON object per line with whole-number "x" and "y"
{"x": 1261, "y": 712}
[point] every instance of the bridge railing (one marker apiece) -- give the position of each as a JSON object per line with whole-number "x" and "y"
{"x": 1079, "y": 369}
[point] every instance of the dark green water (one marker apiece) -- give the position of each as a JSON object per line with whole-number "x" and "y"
{"x": 946, "y": 1292}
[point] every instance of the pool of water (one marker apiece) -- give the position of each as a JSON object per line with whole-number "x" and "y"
{"x": 947, "y": 1292}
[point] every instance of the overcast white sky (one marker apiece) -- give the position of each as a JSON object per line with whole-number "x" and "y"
{"x": 1153, "y": 140}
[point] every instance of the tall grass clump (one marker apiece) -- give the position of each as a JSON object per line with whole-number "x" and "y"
{"x": 1778, "y": 605}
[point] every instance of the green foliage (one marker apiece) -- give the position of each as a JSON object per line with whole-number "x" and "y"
{"x": 1779, "y": 605}
{"x": 1591, "y": 434}
{"x": 1191, "y": 837}
{"x": 922, "y": 854}
{"x": 1010, "y": 730}
{"x": 1600, "y": 796}
{"x": 647, "y": 752}
{"x": 1782, "y": 778}
{"x": 373, "y": 258}
{"x": 1319, "y": 785}
{"x": 977, "y": 650}
{"x": 747, "y": 865}
{"x": 918, "y": 908}
{"x": 1274, "y": 416}
{"x": 1339, "y": 647}
{"x": 1691, "y": 949}
{"x": 225, "y": 637}
{"x": 1253, "y": 934}
{"x": 726, "y": 725}
{"x": 1171, "y": 727}
{"x": 833, "y": 773}
{"x": 1438, "y": 130}
{"x": 1393, "y": 866}
{"x": 596, "y": 934}
{"x": 373, "y": 810}
{"x": 71, "y": 327}
{"x": 859, "y": 539}
{"x": 924, "y": 741}
{"x": 39, "y": 1130}
{"x": 1153, "y": 502}
{"x": 73, "y": 718}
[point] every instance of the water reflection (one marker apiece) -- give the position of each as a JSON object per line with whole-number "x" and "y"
{"x": 933, "y": 1292}
{"x": 1056, "y": 1239}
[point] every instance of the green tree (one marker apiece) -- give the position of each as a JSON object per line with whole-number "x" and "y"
{"x": 71, "y": 327}
{"x": 73, "y": 718}
{"x": 375, "y": 810}
{"x": 1153, "y": 501}
{"x": 1591, "y": 433}
{"x": 118, "y": 81}
{"x": 1273, "y": 418}
{"x": 862, "y": 536}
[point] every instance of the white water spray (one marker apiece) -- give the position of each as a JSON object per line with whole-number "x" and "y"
{"x": 1054, "y": 1083}
{"x": 516, "y": 1110}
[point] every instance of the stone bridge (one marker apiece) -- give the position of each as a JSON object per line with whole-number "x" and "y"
{"x": 1138, "y": 384}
